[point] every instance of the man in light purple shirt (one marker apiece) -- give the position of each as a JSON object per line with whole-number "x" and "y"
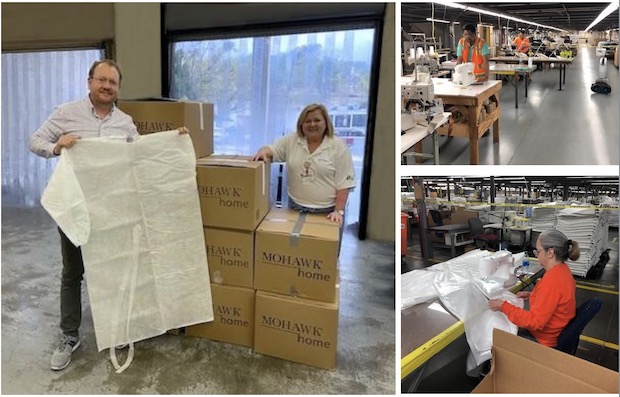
{"x": 93, "y": 116}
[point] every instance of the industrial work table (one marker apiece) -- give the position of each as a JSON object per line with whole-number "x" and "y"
{"x": 513, "y": 71}
{"x": 454, "y": 231}
{"x": 521, "y": 230}
{"x": 428, "y": 330}
{"x": 468, "y": 101}
{"x": 413, "y": 136}
{"x": 496, "y": 226}
{"x": 525, "y": 231}
{"x": 542, "y": 60}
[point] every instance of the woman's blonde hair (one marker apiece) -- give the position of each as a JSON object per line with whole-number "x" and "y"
{"x": 311, "y": 108}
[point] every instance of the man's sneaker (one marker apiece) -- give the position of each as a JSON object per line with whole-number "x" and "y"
{"x": 62, "y": 356}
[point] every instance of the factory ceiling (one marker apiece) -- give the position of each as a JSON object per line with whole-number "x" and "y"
{"x": 563, "y": 15}
{"x": 608, "y": 182}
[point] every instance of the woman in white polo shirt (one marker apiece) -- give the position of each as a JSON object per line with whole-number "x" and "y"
{"x": 319, "y": 166}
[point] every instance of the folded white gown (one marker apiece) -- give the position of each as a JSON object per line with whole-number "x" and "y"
{"x": 134, "y": 210}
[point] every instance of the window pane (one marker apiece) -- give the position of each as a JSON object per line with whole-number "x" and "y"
{"x": 33, "y": 84}
{"x": 259, "y": 85}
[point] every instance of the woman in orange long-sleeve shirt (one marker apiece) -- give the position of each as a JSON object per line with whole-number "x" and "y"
{"x": 552, "y": 302}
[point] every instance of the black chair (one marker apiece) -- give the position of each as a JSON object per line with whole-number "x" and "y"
{"x": 481, "y": 239}
{"x": 569, "y": 337}
{"x": 436, "y": 215}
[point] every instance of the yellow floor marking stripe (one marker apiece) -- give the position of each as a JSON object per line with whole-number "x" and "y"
{"x": 608, "y": 287}
{"x": 599, "y": 342}
{"x": 605, "y": 291}
{"x": 422, "y": 354}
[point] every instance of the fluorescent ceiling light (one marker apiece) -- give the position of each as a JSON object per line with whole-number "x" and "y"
{"x": 437, "y": 20}
{"x": 491, "y": 13}
{"x": 495, "y": 14}
{"x": 610, "y": 8}
{"x": 451, "y": 4}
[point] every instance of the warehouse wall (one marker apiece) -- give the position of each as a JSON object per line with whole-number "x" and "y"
{"x": 48, "y": 25}
{"x": 381, "y": 206}
{"x": 135, "y": 27}
{"x": 137, "y": 30}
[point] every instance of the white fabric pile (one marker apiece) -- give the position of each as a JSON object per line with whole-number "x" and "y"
{"x": 544, "y": 217}
{"x": 589, "y": 227}
{"x": 613, "y": 208}
{"x": 417, "y": 285}
{"x": 134, "y": 210}
{"x": 471, "y": 306}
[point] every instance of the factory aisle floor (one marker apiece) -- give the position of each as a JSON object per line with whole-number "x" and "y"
{"x": 572, "y": 126}
{"x": 599, "y": 340}
{"x": 170, "y": 364}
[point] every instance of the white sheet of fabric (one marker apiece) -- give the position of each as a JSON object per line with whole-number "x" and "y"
{"x": 463, "y": 265}
{"x": 417, "y": 287}
{"x": 134, "y": 210}
{"x": 462, "y": 298}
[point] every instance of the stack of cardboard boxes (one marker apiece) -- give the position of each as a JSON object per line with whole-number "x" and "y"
{"x": 234, "y": 198}
{"x": 296, "y": 278}
{"x": 274, "y": 275}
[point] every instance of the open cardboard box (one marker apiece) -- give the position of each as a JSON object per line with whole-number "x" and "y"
{"x": 155, "y": 115}
{"x": 522, "y": 366}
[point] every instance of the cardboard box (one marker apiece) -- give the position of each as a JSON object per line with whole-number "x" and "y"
{"x": 522, "y": 366}
{"x": 295, "y": 329}
{"x": 230, "y": 255}
{"x": 163, "y": 115}
{"x": 233, "y": 309}
{"x": 233, "y": 190}
{"x": 297, "y": 254}
{"x": 461, "y": 215}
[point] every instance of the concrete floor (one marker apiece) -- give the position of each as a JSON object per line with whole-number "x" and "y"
{"x": 602, "y": 328}
{"x": 169, "y": 364}
{"x": 572, "y": 126}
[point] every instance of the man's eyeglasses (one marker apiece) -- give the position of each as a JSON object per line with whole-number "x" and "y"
{"x": 103, "y": 81}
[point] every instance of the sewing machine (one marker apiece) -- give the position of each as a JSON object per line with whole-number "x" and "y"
{"x": 418, "y": 94}
{"x": 499, "y": 269}
{"x": 463, "y": 74}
